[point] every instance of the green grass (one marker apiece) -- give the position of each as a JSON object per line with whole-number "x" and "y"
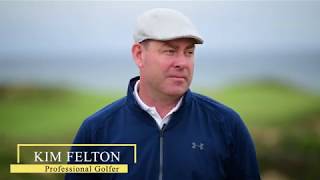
{"x": 283, "y": 120}
{"x": 267, "y": 103}
{"x": 38, "y": 112}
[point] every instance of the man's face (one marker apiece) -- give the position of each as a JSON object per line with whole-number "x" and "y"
{"x": 167, "y": 66}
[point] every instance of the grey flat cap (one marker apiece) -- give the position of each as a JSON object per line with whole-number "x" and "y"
{"x": 164, "y": 24}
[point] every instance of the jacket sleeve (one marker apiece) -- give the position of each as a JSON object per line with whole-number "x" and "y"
{"x": 243, "y": 164}
{"x": 83, "y": 136}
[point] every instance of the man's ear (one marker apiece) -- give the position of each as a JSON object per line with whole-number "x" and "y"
{"x": 136, "y": 51}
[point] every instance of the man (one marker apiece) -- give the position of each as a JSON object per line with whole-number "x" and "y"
{"x": 179, "y": 134}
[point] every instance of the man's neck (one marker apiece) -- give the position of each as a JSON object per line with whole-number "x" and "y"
{"x": 162, "y": 103}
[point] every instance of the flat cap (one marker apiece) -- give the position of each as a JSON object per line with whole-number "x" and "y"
{"x": 164, "y": 24}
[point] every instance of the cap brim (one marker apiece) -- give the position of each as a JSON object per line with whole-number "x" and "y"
{"x": 197, "y": 39}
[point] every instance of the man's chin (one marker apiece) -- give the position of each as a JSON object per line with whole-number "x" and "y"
{"x": 176, "y": 88}
{"x": 176, "y": 92}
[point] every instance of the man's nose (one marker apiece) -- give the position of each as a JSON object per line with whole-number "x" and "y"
{"x": 181, "y": 61}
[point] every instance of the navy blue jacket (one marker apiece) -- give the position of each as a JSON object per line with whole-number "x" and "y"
{"x": 203, "y": 140}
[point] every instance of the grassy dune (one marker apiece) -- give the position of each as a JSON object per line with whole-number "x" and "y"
{"x": 284, "y": 122}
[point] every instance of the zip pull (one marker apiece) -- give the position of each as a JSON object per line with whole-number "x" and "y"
{"x": 162, "y": 129}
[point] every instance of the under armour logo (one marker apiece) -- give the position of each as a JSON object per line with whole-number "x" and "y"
{"x": 195, "y": 146}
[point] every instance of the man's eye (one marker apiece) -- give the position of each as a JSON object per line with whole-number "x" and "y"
{"x": 169, "y": 51}
{"x": 190, "y": 52}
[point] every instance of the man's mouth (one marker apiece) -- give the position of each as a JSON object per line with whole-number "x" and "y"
{"x": 177, "y": 77}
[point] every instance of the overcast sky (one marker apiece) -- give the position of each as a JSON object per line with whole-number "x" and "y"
{"x": 57, "y": 27}
{"x": 88, "y": 43}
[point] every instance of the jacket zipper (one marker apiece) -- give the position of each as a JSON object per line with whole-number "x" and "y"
{"x": 161, "y": 152}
